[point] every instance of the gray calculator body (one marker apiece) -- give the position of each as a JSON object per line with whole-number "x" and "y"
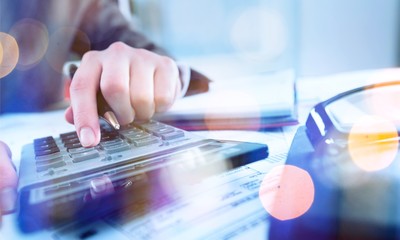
{"x": 140, "y": 161}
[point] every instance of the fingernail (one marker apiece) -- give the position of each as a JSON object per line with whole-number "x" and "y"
{"x": 8, "y": 197}
{"x": 98, "y": 185}
{"x": 87, "y": 137}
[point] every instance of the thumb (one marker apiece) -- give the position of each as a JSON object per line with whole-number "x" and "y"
{"x": 69, "y": 115}
{"x": 8, "y": 180}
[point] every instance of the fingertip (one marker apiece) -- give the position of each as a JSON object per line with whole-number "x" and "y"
{"x": 167, "y": 88}
{"x": 162, "y": 108}
{"x": 164, "y": 101}
{"x": 69, "y": 115}
{"x": 127, "y": 118}
{"x": 88, "y": 137}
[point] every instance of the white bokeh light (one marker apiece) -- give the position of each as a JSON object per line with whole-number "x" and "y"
{"x": 260, "y": 34}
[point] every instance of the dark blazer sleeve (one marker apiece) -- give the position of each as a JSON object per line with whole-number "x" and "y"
{"x": 104, "y": 24}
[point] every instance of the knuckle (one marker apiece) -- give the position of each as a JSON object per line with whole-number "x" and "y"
{"x": 90, "y": 56}
{"x": 140, "y": 52}
{"x": 144, "y": 107}
{"x": 145, "y": 115}
{"x": 118, "y": 47}
{"x": 164, "y": 100}
{"x": 168, "y": 69}
{"x": 168, "y": 63}
{"x": 141, "y": 100}
{"x": 126, "y": 119}
{"x": 111, "y": 88}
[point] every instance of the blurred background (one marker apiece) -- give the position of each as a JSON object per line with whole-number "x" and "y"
{"x": 316, "y": 37}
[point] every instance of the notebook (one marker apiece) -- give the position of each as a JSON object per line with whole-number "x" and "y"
{"x": 250, "y": 101}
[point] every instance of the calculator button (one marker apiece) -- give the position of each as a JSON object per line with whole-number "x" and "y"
{"x": 127, "y": 127}
{"x": 163, "y": 130}
{"x": 152, "y": 125}
{"x": 137, "y": 136}
{"x": 110, "y": 149}
{"x": 71, "y": 141}
{"x": 47, "y": 151}
{"x": 112, "y": 142}
{"x": 44, "y": 167}
{"x": 83, "y": 156}
{"x": 107, "y": 136}
{"x": 146, "y": 141}
{"x": 45, "y": 146}
{"x": 43, "y": 141}
{"x": 68, "y": 135}
{"x": 79, "y": 150}
{"x": 173, "y": 135}
{"x": 73, "y": 145}
{"x": 131, "y": 131}
{"x": 48, "y": 157}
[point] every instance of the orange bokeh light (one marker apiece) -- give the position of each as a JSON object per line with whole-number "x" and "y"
{"x": 10, "y": 54}
{"x": 287, "y": 192}
{"x": 33, "y": 40}
{"x": 373, "y": 143}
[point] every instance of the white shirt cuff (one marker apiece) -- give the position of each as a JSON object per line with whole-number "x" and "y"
{"x": 184, "y": 75}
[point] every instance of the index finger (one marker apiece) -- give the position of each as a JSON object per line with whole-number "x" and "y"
{"x": 83, "y": 89}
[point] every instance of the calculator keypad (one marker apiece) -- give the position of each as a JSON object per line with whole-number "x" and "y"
{"x": 52, "y": 154}
{"x": 47, "y": 154}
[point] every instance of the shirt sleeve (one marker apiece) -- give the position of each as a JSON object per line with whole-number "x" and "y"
{"x": 184, "y": 75}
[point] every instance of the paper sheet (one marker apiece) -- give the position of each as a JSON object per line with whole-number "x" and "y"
{"x": 221, "y": 207}
{"x": 225, "y": 205}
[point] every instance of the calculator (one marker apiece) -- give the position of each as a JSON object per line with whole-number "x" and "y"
{"x": 60, "y": 181}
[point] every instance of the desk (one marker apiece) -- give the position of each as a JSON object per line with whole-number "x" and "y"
{"x": 224, "y": 206}
{"x": 207, "y": 210}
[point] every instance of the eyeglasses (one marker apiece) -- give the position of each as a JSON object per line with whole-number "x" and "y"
{"x": 332, "y": 123}
{"x": 346, "y": 146}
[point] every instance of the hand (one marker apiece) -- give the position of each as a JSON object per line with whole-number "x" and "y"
{"x": 8, "y": 181}
{"x": 136, "y": 83}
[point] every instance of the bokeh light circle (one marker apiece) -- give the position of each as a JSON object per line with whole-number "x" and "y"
{"x": 33, "y": 39}
{"x": 260, "y": 34}
{"x": 10, "y": 54}
{"x": 57, "y": 43}
{"x": 287, "y": 192}
{"x": 373, "y": 143}
{"x": 384, "y": 102}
